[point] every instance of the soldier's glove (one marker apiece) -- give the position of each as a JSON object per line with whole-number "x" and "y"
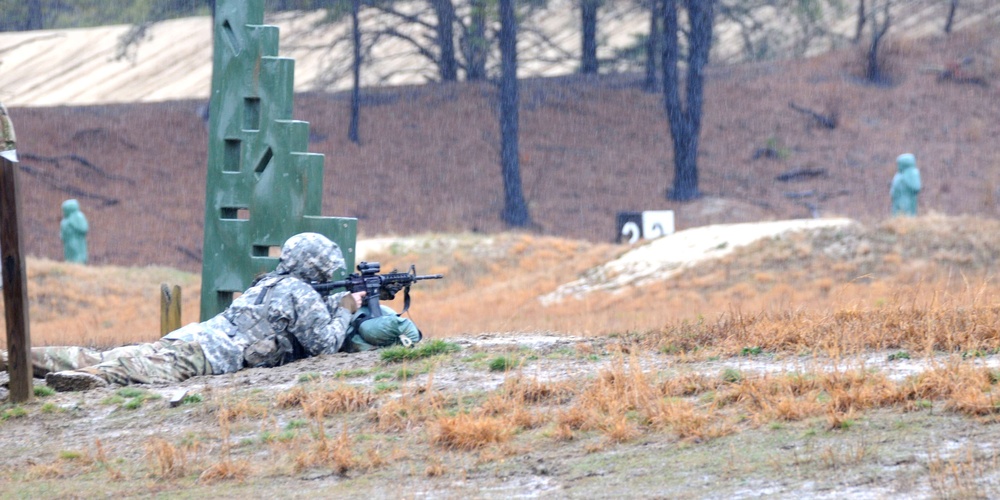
{"x": 348, "y": 302}
{"x": 338, "y": 300}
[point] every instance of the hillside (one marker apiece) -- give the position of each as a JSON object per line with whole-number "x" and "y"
{"x": 590, "y": 147}
{"x": 512, "y": 282}
{"x": 853, "y": 361}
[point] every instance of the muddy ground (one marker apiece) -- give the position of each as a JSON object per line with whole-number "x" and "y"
{"x": 99, "y": 443}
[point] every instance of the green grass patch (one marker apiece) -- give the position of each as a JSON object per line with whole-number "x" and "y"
{"x": 43, "y": 391}
{"x": 277, "y": 437}
{"x": 309, "y": 377}
{"x": 296, "y": 424}
{"x": 385, "y": 387}
{"x": 132, "y": 398}
{"x": 503, "y": 363}
{"x": 474, "y": 357}
{"x": 113, "y": 400}
{"x": 396, "y": 354}
{"x": 14, "y": 412}
{"x": 358, "y": 372}
{"x": 191, "y": 399}
{"x": 133, "y": 404}
{"x": 130, "y": 392}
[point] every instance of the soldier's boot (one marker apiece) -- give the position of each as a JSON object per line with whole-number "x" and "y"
{"x": 75, "y": 380}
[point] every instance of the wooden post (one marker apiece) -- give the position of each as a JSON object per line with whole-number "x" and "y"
{"x": 15, "y": 290}
{"x": 170, "y": 308}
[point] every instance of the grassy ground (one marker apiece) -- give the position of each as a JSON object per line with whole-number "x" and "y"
{"x": 574, "y": 418}
{"x": 861, "y": 361}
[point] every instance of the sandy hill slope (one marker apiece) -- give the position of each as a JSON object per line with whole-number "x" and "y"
{"x": 88, "y": 66}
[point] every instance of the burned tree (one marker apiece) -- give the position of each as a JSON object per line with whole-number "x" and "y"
{"x": 352, "y": 131}
{"x": 875, "y": 71}
{"x": 588, "y": 27}
{"x": 653, "y": 43}
{"x": 475, "y": 45}
{"x": 684, "y": 116}
{"x": 515, "y": 209}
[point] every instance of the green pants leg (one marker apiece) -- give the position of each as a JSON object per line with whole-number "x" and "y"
{"x": 164, "y": 361}
{"x": 60, "y": 358}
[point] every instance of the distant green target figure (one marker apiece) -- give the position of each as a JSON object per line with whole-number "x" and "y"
{"x": 73, "y": 232}
{"x": 905, "y": 186}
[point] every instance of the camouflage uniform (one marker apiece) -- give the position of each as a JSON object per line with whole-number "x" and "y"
{"x": 162, "y": 361}
{"x": 278, "y": 319}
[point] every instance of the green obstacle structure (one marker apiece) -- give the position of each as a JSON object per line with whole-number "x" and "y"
{"x": 262, "y": 185}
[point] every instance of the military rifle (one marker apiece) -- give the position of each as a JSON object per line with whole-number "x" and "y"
{"x": 377, "y": 286}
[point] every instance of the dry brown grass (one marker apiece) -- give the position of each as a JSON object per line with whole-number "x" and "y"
{"x": 337, "y": 454}
{"x": 72, "y": 304}
{"x": 166, "y": 460}
{"x": 951, "y": 325}
{"x": 960, "y": 475}
{"x": 687, "y": 420}
{"x": 318, "y": 402}
{"x": 922, "y": 284}
{"x": 241, "y": 409}
{"x": 406, "y": 413}
{"x": 226, "y": 470}
{"x": 470, "y": 432}
{"x": 519, "y": 389}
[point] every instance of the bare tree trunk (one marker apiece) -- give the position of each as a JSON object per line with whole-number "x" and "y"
{"x": 859, "y": 28}
{"x": 475, "y": 44}
{"x": 447, "y": 64}
{"x": 653, "y": 43}
{"x": 685, "y": 118}
{"x": 880, "y": 27}
{"x": 951, "y": 16}
{"x": 352, "y": 132}
{"x": 588, "y": 27}
{"x": 515, "y": 210}
{"x": 36, "y": 18}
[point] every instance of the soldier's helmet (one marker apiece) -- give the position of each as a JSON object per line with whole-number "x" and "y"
{"x": 311, "y": 257}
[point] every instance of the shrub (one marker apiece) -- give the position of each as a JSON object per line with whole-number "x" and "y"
{"x": 503, "y": 363}
{"x": 399, "y": 353}
{"x": 470, "y": 432}
{"x": 42, "y": 391}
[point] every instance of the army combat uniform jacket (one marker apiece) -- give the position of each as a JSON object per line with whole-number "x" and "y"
{"x": 278, "y": 319}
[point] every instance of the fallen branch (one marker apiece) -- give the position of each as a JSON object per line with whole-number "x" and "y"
{"x": 800, "y": 174}
{"x": 73, "y": 191}
{"x": 826, "y": 121}
{"x": 55, "y": 160}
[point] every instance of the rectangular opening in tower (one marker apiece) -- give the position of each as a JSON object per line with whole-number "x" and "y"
{"x": 251, "y": 113}
{"x": 266, "y": 251}
{"x": 231, "y": 156}
{"x": 235, "y": 213}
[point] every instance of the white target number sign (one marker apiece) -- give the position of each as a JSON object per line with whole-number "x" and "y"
{"x": 648, "y": 224}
